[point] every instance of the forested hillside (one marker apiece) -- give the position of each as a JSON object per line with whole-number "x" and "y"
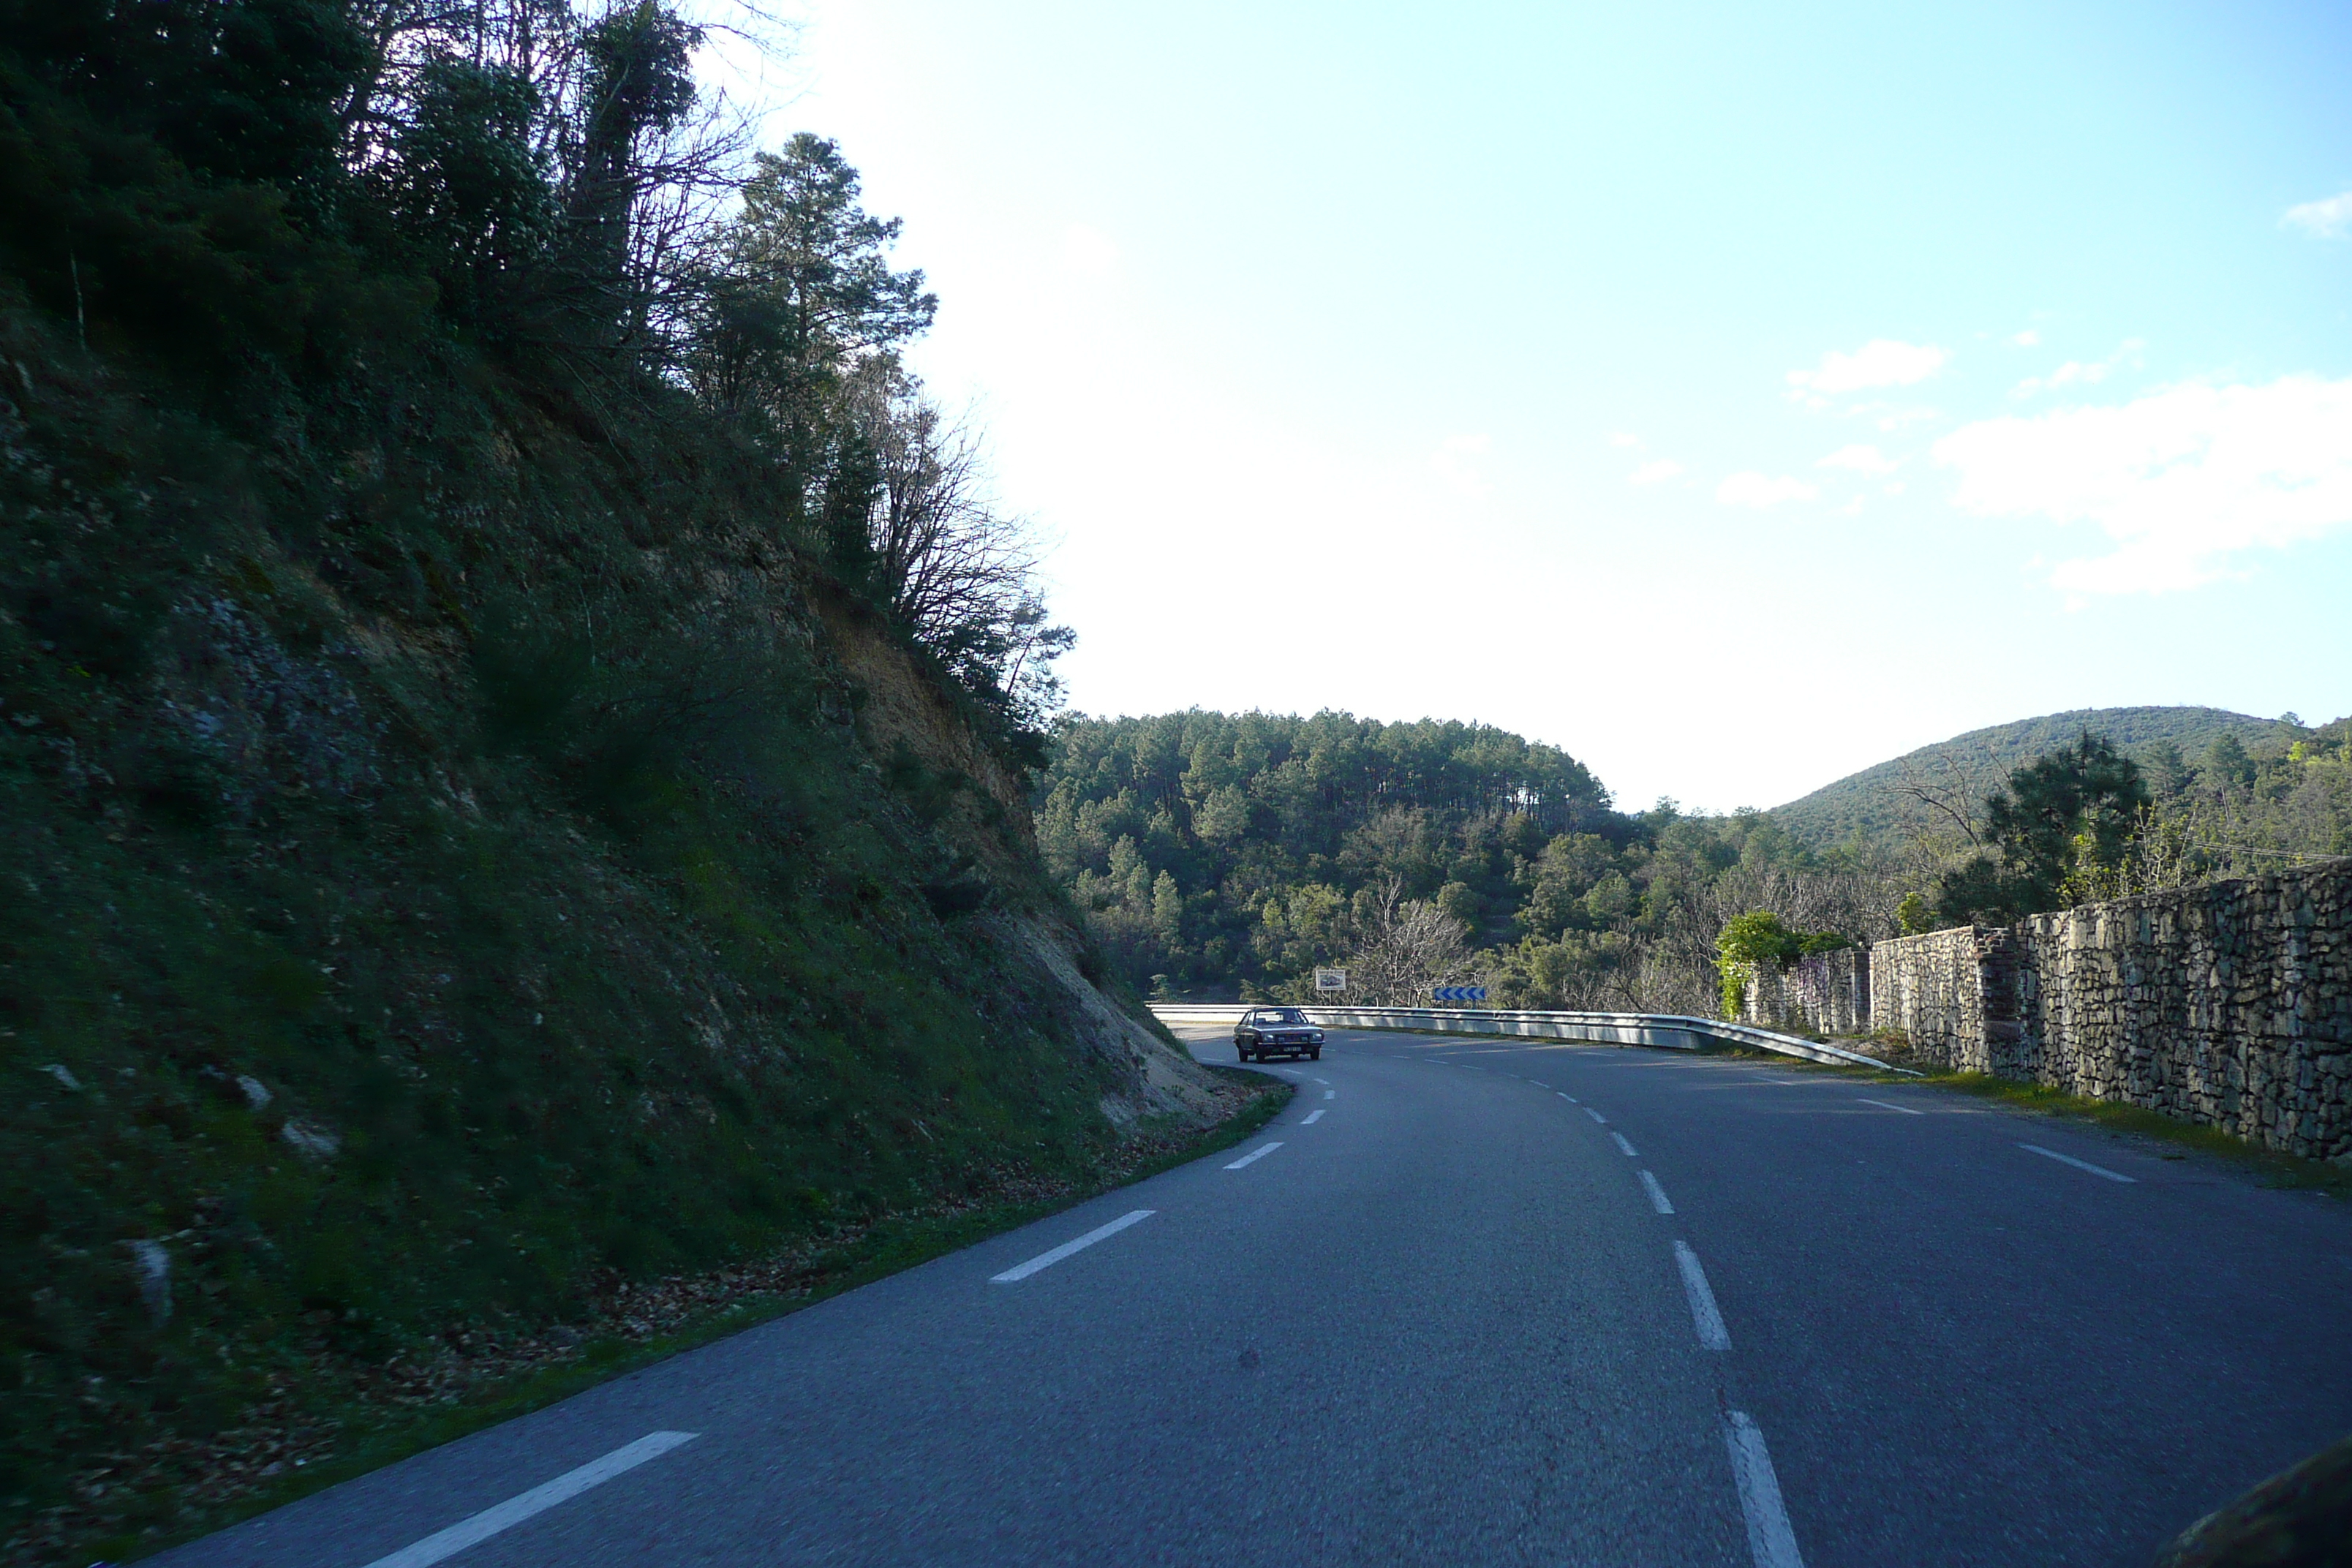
{"x": 1229, "y": 856}
{"x": 2093, "y": 820}
{"x": 1225, "y": 856}
{"x": 514, "y": 731}
{"x": 1890, "y": 801}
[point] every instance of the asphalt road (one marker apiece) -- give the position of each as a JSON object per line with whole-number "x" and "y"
{"x": 1446, "y": 1316}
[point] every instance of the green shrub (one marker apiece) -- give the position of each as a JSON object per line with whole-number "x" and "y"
{"x": 1761, "y": 937}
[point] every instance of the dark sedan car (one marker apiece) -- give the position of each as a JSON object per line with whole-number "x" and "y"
{"x": 1265, "y": 1032}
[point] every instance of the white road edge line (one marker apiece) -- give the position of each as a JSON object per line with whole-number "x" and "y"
{"x": 1771, "y": 1542}
{"x": 1048, "y": 1259}
{"x": 1712, "y": 1334}
{"x": 2078, "y": 1164}
{"x": 1313, "y": 1117}
{"x": 1624, "y": 1145}
{"x": 1882, "y": 1105}
{"x": 1255, "y": 1155}
{"x": 1657, "y": 1194}
{"x": 466, "y": 1533}
{"x": 1596, "y": 1116}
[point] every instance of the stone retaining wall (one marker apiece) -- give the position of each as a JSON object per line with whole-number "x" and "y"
{"x": 1952, "y": 994}
{"x": 2229, "y": 1005}
{"x": 1821, "y": 994}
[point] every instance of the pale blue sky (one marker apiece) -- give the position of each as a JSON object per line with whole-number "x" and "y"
{"x": 1481, "y": 361}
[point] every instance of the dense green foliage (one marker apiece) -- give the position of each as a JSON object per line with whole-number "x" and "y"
{"x": 1226, "y": 856}
{"x": 448, "y": 872}
{"x": 1758, "y": 937}
{"x": 1221, "y": 856}
{"x": 2241, "y": 807}
{"x": 2059, "y": 817}
{"x": 1214, "y": 850}
{"x": 2085, "y": 822}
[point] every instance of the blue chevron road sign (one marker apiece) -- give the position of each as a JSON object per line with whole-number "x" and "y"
{"x": 1459, "y": 993}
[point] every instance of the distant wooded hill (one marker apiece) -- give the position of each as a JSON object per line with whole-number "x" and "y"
{"x": 1875, "y": 803}
{"x": 1216, "y": 850}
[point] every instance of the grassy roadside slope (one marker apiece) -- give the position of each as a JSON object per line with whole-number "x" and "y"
{"x": 461, "y": 862}
{"x": 423, "y": 1401}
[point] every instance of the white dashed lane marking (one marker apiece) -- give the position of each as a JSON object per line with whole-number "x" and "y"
{"x": 1048, "y": 1259}
{"x": 1772, "y": 1543}
{"x": 1704, "y": 1317}
{"x": 1255, "y": 1155}
{"x": 1312, "y": 1118}
{"x": 1627, "y": 1149}
{"x": 1330, "y": 1094}
{"x": 1657, "y": 1194}
{"x": 490, "y": 1521}
{"x": 1596, "y": 1116}
{"x": 1882, "y": 1105}
{"x": 2078, "y": 1164}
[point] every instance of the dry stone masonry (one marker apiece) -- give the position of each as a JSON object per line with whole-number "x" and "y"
{"x": 1822, "y": 993}
{"x": 2229, "y": 1006}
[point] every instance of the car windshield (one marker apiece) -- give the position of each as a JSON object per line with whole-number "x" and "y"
{"x": 1280, "y": 1015}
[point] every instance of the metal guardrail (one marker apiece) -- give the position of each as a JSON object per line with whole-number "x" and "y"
{"x": 1666, "y": 1030}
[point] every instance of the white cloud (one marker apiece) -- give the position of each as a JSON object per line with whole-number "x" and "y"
{"x": 2182, "y": 479}
{"x": 1089, "y": 251}
{"x": 1882, "y": 362}
{"x": 2325, "y": 219}
{"x": 2081, "y": 373}
{"x": 1751, "y": 489}
{"x": 2027, "y": 338}
{"x": 1860, "y": 459}
{"x": 1655, "y": 473}
{"x": 1456, "y": 461}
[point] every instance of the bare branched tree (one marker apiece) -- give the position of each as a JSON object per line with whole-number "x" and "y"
{"x": 957, "y": 570}
{"x": 940, "y": 543}
{"x": 1951, "y": 792}
{"x": 1410, "y": 946}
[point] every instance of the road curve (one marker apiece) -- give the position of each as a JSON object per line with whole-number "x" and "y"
{"x": 1478, "y": 1303}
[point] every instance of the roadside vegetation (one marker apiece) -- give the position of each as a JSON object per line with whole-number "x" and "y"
{"x": 363, "y": 1416}
{"x": 2085, "y": 822}
{"x": 1231, "y": 855}
{"x": 515, "y": 721}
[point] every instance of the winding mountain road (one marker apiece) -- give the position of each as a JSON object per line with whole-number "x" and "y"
{"x": 1490, "y": 1301}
